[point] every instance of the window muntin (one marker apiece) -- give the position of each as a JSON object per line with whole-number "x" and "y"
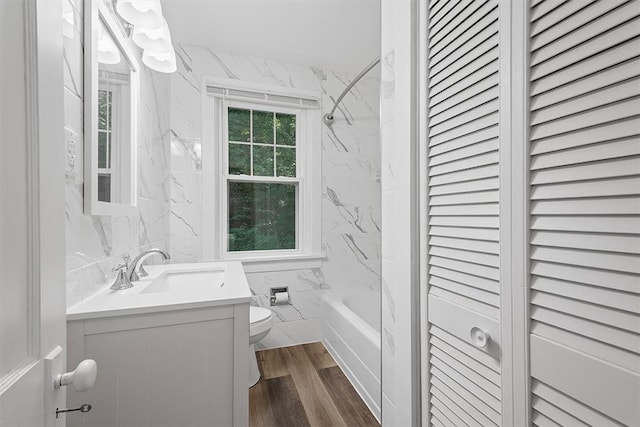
{"x": 263, "y": 181}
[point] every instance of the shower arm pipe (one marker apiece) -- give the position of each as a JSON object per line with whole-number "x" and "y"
{"x": 328, "y": 118}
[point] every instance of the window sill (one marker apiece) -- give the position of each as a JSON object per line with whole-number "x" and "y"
{"x": 266, "y": 263}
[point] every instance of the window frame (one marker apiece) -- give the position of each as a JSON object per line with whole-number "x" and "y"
{"x": 215, "y": 173}
{"x": 227, "y": 178}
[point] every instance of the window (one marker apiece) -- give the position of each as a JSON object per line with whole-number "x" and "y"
{"x": 262, "y": 179}
{"x": 262, "y": 191}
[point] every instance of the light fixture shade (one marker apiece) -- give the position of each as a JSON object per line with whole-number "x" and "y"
{"x": 153, "y": 40}
{"x": 164, "y": 62}
{"x": 108, "y": 52}
{"x": 141, "y": 13}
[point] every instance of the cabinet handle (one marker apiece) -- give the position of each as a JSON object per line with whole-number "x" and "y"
{"x": 480, "y": 338}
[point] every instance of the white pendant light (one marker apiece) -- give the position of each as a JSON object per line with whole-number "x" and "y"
{"x": 141, "y": 13}
{"x": 108, "y": 52}
{"x": 164, "y": 62}
{"x": 153, "y": 40}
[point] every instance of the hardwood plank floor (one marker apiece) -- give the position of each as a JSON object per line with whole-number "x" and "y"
{"x": 303, "y": 386}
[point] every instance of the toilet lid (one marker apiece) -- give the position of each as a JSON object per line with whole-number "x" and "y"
{"x": 258, "y": 314}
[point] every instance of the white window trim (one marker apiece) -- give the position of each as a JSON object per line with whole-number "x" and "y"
{"x": 309, "y": 210}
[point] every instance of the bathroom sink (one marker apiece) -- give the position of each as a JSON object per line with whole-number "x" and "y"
{"x": 185, "y": 281}
{"x": 170, "y": 287}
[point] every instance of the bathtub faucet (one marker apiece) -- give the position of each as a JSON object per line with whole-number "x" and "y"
{"x": 136, "y": 271}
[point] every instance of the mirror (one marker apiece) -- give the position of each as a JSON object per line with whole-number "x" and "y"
{"x": 111, "y": 93}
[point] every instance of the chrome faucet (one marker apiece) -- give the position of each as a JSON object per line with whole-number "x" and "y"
{"x": 122, "y": 281}
{"x": 135, "y": 270}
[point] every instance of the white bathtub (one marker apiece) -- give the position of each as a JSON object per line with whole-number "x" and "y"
{"x": 351, "y": 333}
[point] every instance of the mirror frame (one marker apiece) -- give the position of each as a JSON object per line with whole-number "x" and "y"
{"x": 96, "y": 11}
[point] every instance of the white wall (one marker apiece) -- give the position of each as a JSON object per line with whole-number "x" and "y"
{"x": 96, "y": 243}
{"x": 350, "y": 186}
{"x": 399, "y": 317}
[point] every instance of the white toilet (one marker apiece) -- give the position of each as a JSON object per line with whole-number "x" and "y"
{"x": 261, "y": 320}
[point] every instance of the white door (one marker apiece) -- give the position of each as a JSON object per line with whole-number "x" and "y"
{"x": 463, "y": 210}
{"x": 32, "y": 273}
{"x": 585, "y": 213}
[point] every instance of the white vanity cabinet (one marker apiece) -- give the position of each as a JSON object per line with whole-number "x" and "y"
{"x": 173, "y": 368}
{"x": 172, "y": 351}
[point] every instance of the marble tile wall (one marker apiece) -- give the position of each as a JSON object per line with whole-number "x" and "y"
{"x": 350, "y": 183}
{"x": 94, "y": 244}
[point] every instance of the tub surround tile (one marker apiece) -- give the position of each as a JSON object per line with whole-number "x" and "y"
{"x": 346, "y": 219}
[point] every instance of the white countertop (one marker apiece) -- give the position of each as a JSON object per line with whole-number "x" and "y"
{"x": 231, "y": 288}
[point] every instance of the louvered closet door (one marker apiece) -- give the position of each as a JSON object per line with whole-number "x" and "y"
{"x": 463, "y": 205}
{"x": 585, "y": 206}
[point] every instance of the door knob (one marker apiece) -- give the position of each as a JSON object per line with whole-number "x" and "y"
{"x": 82, "y": 378}
{"x": 480, "y": 338}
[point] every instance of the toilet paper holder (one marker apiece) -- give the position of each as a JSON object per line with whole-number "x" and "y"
{"x": 279, "y": 296}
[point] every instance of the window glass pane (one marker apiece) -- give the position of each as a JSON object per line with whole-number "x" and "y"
{"x": 110, "y": 110}
{"x": 285, "y": 129}
{"x": 102, "y": 109}
{"x": 286, "y": 161}
{"x": 239, "y": 159}
{"x": 261, "y": 216}
{"x": 239, "y": 125}
{"x": 263, "y": 127}
{"x": 102, "y": 149}
{"x": 104, "y": 187}
{"x": 262, "y": 160}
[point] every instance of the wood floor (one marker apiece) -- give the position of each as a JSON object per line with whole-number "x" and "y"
{"x": 302, "y": 386}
